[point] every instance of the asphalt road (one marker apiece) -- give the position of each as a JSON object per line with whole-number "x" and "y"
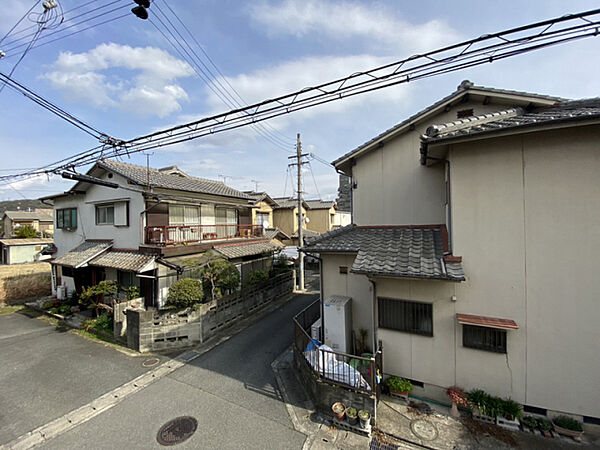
{"x": 230, "y": 390}
{"x": 45, "y": 373}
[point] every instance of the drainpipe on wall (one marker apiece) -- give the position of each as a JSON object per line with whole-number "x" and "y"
{"x": 374, "y": 301}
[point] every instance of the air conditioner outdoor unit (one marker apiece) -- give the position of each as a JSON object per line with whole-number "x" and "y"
{"x": 315, "y": 330}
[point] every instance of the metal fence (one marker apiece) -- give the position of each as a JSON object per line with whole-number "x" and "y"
{"x": 332, "y": 367}
{"x": 177, "y": 234}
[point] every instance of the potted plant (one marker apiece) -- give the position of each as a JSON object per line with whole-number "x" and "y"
{"x": 364, "y": 417}
{"x": 458, "y": 397}
{"x": 508, "y": 414}
{"x": 483, "y": 405}
{"x": 399, "y": 386}
{"x": 567, "y": 426}
{"x": 352, "y": 416}
{"x": 545, "y": 427}
{"x": 339, "y": 410}
{"x": 529, "y": 423}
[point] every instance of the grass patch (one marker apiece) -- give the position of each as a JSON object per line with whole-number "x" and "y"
{"x": 10, "y": 309}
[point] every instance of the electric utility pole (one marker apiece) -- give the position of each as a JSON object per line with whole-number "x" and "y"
{"x": 298, "y": 157}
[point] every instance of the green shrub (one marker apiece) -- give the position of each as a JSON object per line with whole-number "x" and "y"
{"x": 64, "y": 310}
{"x": 529, "y": 421}
{"x": 185, "y": 293}
{"x": 91, "y": 296}
{"x": 26, "y": 232}
{"x": 511, "y": 409}
{"x": 399, "y": 384}
{"x": 544, "y": 425}
{"x": 48, "y": 304}
{"x": 568, "y": 422}
{"x": 104, "y": 322}
{"x": 257, "y": 277}
{"x": 352, "y": 412}
{"x": 131, "y": 292}
{"x": 219, "y": 276}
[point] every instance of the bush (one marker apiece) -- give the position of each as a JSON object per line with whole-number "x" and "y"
{"x": 90, "y": 297}
{"x": 281, "y": 266}
{"x": 26, "y": 232}
{"x": 568, "y": 422}
{"x": 399, "y": 384}
{"x": 219, "y": 276}
{"x": 103, "y": 322}
{"x": 185, "y": 293}
{"x": 544, "y": 425}
{"x": 257, "y": 277}
{"x": 511, "y": 409}
{"x": 529, "y": 421}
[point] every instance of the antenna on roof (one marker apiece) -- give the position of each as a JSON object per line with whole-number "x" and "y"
{"x": 256, "y": 183}
{"x": 224, "y": 178}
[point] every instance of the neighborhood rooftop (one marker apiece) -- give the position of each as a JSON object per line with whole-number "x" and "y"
{"x": 403, "y": 252}
{"x": 513, "y": 118}
{"x": 28, "y": 215}
{"x": 161, "y": 179}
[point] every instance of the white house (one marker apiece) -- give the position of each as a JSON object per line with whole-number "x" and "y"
{"x": 472, "y": 254}
{"x": 140, "y": 226}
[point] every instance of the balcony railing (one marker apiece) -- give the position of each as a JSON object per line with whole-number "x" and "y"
{"x": 179, "y": 234}
{"x": 335, "y": 368}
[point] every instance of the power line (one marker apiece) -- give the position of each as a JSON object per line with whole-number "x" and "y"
{"x": 20, "y": 20}
{"x": 471, "y": 53}
{"x": 313, "y": 178}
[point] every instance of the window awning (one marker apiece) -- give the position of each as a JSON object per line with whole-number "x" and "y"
{"x": 490, "y": 322}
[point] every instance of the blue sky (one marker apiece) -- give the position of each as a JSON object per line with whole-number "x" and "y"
{"x": 126, "y": 80}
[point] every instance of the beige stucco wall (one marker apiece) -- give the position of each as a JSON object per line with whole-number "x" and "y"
{"x": 525, "y": 217}
{"x": 394, "y": 189}
{"x": 262, "y": 207}
{"x": 286, "y": 219}
{"x": 320, "y": 219}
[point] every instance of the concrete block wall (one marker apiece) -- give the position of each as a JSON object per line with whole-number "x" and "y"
{"x": 161, "y": 330}
{"x": 120, "y": 319}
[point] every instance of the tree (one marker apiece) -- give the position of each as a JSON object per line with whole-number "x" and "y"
{"x": 185, "y": 293}
{"x": 26, "y": 232}
{"x": 220, "y": 275}
{"x": 93, "y": 296}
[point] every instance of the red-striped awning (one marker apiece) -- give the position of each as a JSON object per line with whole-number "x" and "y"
{"x": 482, "y": 321}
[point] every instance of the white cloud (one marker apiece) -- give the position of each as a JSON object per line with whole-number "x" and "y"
{"x": 101, "y": 77}
{"x": 342, "y": 20}
{"x": 297, "y": 74}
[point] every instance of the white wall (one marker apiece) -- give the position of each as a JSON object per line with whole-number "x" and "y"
{"x": 123, "y": 236}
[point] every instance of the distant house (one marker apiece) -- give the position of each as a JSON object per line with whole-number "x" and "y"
{"x": 18, "y": 251}
{"x": 473, "y": 253}
{"x": 262, "y": 212}
{"x": 148, "y": 230}
{"x": 41, "y": 221}
{"x": 285, "y": 214}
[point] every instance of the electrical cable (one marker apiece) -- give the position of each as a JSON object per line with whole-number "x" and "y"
{"x": 19, "y": 21}
{"x": 314, "y": 180}
{"x": 482, "y": 50}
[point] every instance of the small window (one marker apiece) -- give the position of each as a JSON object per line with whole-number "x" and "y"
{"x": 66, "y": 218}
{"x": 126, "y": 279}
{"x": 483, "y": 338}
{"x": 407, "y": 316}
{"x": 464, "y": 113}
{"x": 344, "y": 269}
{"x": 105, "y": 215}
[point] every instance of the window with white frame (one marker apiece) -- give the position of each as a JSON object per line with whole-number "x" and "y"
{"x": 184, "y": 215}
{"x": 105, "y": 214}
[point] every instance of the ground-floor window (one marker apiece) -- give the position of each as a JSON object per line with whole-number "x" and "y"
{"x": 484, "y": 338}
{"x": 404, "y": 315}
{"x": 126, "y": 279}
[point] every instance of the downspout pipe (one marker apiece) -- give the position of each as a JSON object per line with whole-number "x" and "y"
{"x": 320, "y": 291}
{"x": 374, "y": 305}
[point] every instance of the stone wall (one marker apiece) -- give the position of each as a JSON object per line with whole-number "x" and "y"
{"x": 120, "y": 319}
{"x": 160, "y": 330}
{"x": 324, "y": 394}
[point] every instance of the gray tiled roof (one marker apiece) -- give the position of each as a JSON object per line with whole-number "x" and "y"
{"x": 462, "y": 89}
{"x": 403, "y": 252}
{"x": 83, "y": 253}
{"x": 575, "y": 110}
{"x": 244, "y": 249}
{"x": 274, "y": 233}
{"x": 286, "y": 203}
{"x": 319, "y": 204}
{"x": 26, "y": 241}
{"x": 306, "y": 233}
{"x": 27, "y": 215}
{"x": 122, "y": 260}
{"x": 139, "y": 175}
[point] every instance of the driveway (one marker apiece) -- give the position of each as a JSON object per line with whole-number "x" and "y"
{"x": 45, "y": 373}
{"x": 230, "y": 390}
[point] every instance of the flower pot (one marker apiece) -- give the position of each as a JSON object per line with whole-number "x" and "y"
{"x": 566, "y": 432}
{"x": 352, "y": 418}
{"x": 339, "y": 410}
{"x": 364, "y": 417}
{"x": 454, "y": 411}
{"x": 400, "y": 393}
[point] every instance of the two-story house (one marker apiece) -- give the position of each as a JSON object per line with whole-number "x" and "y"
{"x": 140, "y": 226}
{"x": 40, "y": 220}
{"x": 472, "y": 254}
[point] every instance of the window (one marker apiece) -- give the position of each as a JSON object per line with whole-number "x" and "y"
{"x": 126, "y": 279}
{"x": 66, "y": 218}
{"x": 407, "y": 316}
{"x": 262, "y": 219}
{"x": 484, "y": 338}
{"x": 105, "y": 215}
{"x": 184, "y": 215}
{"x": 344, "y": 270}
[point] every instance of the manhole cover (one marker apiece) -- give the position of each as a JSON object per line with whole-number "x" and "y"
{"x": 150, "y": 362}
{"x": 177, "y": 430}
{"x": 424, "y": 429}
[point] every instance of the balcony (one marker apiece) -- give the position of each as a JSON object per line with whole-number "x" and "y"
{"x": 185, "y": 234}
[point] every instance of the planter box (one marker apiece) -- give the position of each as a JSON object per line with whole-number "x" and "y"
{"x": 570, "y": 433}
{"x": 512, "y": 425}
{"x": 482, "y": 417}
